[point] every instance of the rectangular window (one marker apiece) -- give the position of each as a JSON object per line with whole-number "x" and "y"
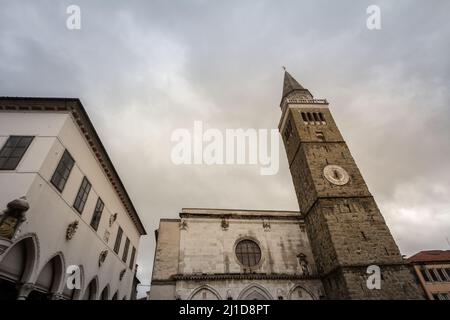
{"x": 97, "y": 214}
{"x": 62, "y": 171}
{"x": 125, "y": 251}
{"x": 133, "y": 256}
{"x": 82, "y": 195}
{"x": 118, "y": 240}
{"x": 13, "y": 151}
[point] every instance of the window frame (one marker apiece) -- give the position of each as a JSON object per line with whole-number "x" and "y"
{"x": 118, "y": 242}
{"x": 58, "y": 170}
{"x": 125, "y": 250}
{"x": 82, "y": 196}
{"x": 132, "y": 258}
{"x": 97, "y": 216}
{"x": 248, "y": 265}
{"x": 14, "y": 149}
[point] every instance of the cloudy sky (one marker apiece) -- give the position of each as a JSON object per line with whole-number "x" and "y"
{"x": 145, "y": 68}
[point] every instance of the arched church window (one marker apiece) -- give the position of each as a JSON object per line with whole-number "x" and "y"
{"x": 248, "y": 253}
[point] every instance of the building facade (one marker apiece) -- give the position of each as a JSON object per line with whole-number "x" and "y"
{"x": 81, "y": 224}
{"x": 346, "y": 231}
{"x": 234, "y": 254}
{"x": 432, "y": 268}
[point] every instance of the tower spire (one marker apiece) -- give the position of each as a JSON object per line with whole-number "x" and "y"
{"x": 290, "y": 85}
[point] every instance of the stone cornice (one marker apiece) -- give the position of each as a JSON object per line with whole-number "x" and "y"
{"x": 237, "y": 216}
{"x": 243, "y": 276}
{"x": 75, "y": 107}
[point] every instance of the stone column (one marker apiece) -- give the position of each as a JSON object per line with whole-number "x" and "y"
{"x": 56, "y": 296}
{"x": 24, "y": 291}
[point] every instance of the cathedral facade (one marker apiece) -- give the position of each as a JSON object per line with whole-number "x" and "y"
{"x": 325, "y": 251}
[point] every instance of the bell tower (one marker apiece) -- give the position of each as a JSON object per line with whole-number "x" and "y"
{"x": 345, "y": 227}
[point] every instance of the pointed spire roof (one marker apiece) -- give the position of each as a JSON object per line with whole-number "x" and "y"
{"x": 290, "y": 84}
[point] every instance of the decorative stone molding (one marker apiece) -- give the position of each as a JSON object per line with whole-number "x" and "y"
{"x": 112, "y": 219}
{"x": 243, "y": 276}
{"x": 12, "y": 218}
{"x": 106, "y": 236}
{"x": 266, "y": 225}
{"x": 183, "y": 224}
{"x": 303, "y": 261}
{"x": 225, "y": 224}
{"x": 102, "y": 257}
{"x": 56, "y": 296}
{"x": 71, "y": 230}
{"x": 122, "y": 273}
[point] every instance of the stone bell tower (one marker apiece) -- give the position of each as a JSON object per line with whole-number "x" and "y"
{"x": 345, "y": 227}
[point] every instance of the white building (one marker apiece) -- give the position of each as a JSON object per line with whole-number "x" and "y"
{"x": 218, "y": 254}
{"x": 80, "y": 213}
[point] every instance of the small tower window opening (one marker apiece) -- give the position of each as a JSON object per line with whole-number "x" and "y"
{"x": 310, "y": 118}
{"x": 305, "y": 119}
{"x": 322, "y": 118}
{"x": 316, "y": 118}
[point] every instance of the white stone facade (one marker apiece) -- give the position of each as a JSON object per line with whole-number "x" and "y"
{"x": 43, "y": 234}
{"x": 196, "y": 257}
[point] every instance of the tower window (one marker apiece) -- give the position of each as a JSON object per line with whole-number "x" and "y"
{"x": 322, "y": 118}
{"x": 310, "y": 117}
{"x": 305, "y": 119}
{"x": 13, "y": 151}
{"x": 316, "y": 117}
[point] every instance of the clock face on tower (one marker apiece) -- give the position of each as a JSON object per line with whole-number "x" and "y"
{"x": 336, "y": 175}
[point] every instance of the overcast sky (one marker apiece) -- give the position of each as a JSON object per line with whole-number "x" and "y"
{"x": 145, "y": 68}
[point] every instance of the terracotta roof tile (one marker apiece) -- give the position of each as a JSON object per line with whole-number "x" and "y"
{"x": 430, "y": 256}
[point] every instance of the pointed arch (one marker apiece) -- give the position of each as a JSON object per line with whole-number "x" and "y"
{"x": 91, "y": 291}
{"x": 51, "y": 275}
{"x": 20, "y": 260}
{"x": 205, "y": 292}
{"x": 115, "y": 296}
{"x": 105, "y": 293}
{"x": 255, "y": 292}
{"x": 298, "y": 292}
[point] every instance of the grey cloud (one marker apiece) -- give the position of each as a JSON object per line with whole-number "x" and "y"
{"x": 145, "y": 68}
